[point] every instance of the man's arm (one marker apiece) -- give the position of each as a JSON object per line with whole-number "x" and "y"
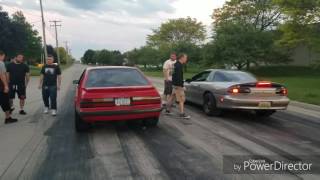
{"x": 27, "y": 78}
{"x": 41, "y": 81}
{"x": 59, "y": 82}
{"x": 4, "y": 80}
{"x": 166, "y": 71}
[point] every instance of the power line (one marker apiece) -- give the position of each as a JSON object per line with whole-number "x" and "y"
{"x": 44, "y": 33}
{"x": 55, "y": 25}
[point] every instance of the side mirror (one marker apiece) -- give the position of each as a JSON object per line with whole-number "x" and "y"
{"x": 75, "y": 82}
{"x": 188, "y": 80}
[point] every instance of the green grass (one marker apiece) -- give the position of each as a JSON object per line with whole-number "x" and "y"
{"x": 303, "y": 83}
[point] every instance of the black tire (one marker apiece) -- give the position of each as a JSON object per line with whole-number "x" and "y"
{"x": 210, "y": 106}
{"x": 80, "y": 125}
{"x": 264, "y": 113}
{"x": 151, "y": 122}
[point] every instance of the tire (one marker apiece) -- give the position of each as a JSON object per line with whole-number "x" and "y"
{"x": 80, "y": 125}
{"x": 210, "y": 106}
{"x": 264, "y": 113}
{"x": 151, "y": 122}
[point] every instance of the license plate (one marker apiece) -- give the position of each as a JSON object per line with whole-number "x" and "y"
{"x": 122, "y": 101}
{"x": 264, "y": 105}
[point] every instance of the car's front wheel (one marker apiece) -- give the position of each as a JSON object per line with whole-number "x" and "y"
{"x": 264, "y": 113}
{"x": 80, "y": 125}
{"x": 151, "y": 122}
{"x": 210, "y": 105}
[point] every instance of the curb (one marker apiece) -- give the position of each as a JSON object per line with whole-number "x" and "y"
{"x": 305, "y": 105}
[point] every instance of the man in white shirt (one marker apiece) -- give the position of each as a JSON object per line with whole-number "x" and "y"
{"x": 167, "y": 73}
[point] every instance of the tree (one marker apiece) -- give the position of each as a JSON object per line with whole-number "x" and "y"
{"x": 88, "y": 57}
{"x": 245, "y": 34}
{"x": 302, "y": 23}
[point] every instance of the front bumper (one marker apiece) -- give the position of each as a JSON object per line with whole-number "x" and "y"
{"x": 252, "y": 103}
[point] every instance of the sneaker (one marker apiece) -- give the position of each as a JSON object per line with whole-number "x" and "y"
{"x": 184, "y": 116}
{"x": 22, "y": 112}
{"x": 54, "y": 112}
{"x": 46, "y": 110}
{"x": 167, "y": 112}
{"x": 10, "y": 120}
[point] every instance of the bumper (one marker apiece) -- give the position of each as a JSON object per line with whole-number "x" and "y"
{"x": 253, "y": 103}
{"x": 118, "y": 115}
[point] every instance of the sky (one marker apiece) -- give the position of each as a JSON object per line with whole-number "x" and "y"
{"x": 108, "y": 24}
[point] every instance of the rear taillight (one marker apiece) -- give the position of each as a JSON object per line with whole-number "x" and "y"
{"x": 146, "y": 100}
{"x": 94, "y": 103}
{"x": 238, "y": 89}
{"x": 264, "y": 84}
{"x": 282, "y": 91}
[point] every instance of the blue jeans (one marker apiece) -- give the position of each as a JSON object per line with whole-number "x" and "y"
{"x": 50, "y": 93}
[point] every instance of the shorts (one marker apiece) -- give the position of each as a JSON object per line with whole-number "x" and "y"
{"x": 20, "y": 89}
{"x": 4, "y": 101}
{"x": 179, "y": 93}
{"x": 167, "y": 88}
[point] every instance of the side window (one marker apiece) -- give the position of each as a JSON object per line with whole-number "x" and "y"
{"x": 202, "y": 76}
{"x": 82, "y": 76}
{"x": 219, "y": 77}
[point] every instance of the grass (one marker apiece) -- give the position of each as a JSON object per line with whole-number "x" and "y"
{"x": 303, "y": 83}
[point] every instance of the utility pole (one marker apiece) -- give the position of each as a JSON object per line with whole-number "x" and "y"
{"x": 43, "y": 34}
{"x": 55, "y": 24}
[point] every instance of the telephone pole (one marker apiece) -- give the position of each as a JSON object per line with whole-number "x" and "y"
{"x": 55, "y": 24}
{"x": 43, "y": 34}
{"x": 67, "y": 50}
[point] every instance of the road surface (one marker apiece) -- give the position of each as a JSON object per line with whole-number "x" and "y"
{"x": 43, "y": 147}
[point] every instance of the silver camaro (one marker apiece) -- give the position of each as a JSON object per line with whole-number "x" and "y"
{"x": 217, "y": 89}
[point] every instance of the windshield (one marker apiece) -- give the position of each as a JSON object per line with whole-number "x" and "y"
{"x": 233, "y": 76}
{"x": 115, "y": 78}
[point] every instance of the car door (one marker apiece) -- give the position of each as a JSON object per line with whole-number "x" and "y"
{"x": 194, "y": 87}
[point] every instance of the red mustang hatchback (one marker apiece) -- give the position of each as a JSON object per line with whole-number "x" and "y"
{"x": 115, "y": 93}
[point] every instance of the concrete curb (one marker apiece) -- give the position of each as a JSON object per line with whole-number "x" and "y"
{"x": 305, "y": 105}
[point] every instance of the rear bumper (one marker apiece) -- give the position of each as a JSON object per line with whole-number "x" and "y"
{"x": 118, "y": 115}
{"x": 241, "y": 102}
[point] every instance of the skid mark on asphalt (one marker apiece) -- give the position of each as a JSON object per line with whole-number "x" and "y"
{"x": 140, "y": 159}
{"x": 179, "y": 159}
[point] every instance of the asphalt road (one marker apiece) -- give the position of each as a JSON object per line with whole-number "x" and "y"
{"x": 43, "y": 147}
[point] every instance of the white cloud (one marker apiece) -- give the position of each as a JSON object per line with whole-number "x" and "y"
{"x": 111, "y": 24}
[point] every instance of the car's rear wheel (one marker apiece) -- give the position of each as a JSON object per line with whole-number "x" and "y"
{"x": 264, "y": 113}
{"x": 210, "y": 105}
{"x": 80, "y": 125}
{"x": 151, "y": 122}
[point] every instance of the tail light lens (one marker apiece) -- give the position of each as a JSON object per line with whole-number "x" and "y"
{"x": 146, "y": 100}
{"x": 94, "y": 103}
{"x": 264, "y": 84}
{"x": 282, "y": 91}
{"x": 238, "y": 89}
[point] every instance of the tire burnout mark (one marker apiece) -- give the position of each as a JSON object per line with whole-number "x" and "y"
{"x": 68, "y": 153}
{"x": 177, "y": 158}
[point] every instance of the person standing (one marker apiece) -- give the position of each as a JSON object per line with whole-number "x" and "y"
{"x": 18, "y": 77}
{"x": 167, "y": 73}
{"x": 4, "y": 91}
{"x": 50, "y": 82}
{"x": 178, "y": 87}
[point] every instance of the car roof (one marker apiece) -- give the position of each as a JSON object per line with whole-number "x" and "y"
{"x": 224, "y": 70}
{"x": 110, "y": 67}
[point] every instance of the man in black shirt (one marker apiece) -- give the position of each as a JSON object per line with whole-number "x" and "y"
{"x": 50, "y": 81}
{"x": 178, "y": 87}
{"x": 18, "y": 76}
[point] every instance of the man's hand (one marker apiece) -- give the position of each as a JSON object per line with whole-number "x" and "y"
{"x": 6, "y": 89}
{"x": 58, "y": 88}
{"x": 39, "y": 87}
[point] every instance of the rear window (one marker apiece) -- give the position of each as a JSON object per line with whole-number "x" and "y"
{"x": 233, "y": 76}
{"x": 115, "y": 78}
